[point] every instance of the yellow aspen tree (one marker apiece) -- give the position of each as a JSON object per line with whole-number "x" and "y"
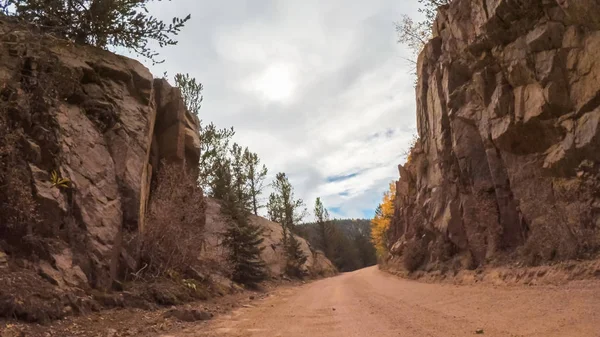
{"x": 381, "y": 222}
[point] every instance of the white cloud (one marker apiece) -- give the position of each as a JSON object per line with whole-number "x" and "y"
{"x": 318, "y": 89}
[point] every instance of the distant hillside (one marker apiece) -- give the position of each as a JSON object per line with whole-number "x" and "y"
{"x": 350, "y": 242}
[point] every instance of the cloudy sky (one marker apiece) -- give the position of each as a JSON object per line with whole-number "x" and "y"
{"x": 319, "y": 89}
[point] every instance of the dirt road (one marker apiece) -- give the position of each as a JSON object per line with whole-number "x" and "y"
{"x": 369, "y": 302}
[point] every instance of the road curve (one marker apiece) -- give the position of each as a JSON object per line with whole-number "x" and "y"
{"x": 369, "y": 302}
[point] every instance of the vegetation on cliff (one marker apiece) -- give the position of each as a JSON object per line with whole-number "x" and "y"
{"x": 104, "y": 24}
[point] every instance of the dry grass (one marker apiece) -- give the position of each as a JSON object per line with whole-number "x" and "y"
{"x": 174, "y": 232}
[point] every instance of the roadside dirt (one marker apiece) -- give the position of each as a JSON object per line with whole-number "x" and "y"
{"x": 508, "y": 274}
{"x": 367, "y": 302}
{"x": 370, "y": 302}
{"x": 134, "y": 322}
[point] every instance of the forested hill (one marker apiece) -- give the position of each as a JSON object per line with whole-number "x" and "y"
{"x": 347, "y": 242}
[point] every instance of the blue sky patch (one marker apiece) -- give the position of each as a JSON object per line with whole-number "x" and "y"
{"x": 342, "y": 177}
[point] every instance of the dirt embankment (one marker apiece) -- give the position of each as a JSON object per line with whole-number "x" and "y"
{"x": 509, "y": 275}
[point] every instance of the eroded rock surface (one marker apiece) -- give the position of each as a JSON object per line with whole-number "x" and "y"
{"x": 104, "y": 123}
{"x": 508, "y": 114}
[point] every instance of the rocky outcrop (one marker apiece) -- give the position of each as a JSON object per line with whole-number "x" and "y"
{"x": 317, "y": 265}
{"x": 507, "y": 164}
{"x": 102, "y": 122}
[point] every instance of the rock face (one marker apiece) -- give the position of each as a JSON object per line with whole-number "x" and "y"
{"x": 273, "y": 254}
{"x": 508, "y": 158}
{"x": 103, "y": 122}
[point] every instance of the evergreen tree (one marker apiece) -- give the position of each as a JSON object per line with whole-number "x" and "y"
{"x": 214, "y": 144}
{"x": 274, "y": 208}
{"x": 366, "y": 250}
{"x": 283, "y": 204}
{"x": 349, "y": 244}
{"x": 256, "y": 176}
{"x": 242, "y": 238}
{"x": 288, "y": 211}
{"x": 191, "y": 92}
{"x": 322, "y": 220}
{"x": 295, "y": 256}
{"x": 240, "y": 178}
{"x": 222, "y": 181}
{"x": 244, "y": 241}
{"x": 101, "y": 23}
{"x": 343, "y": 254}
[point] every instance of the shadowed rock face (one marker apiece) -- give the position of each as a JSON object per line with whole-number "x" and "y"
{"x": 508, "y": 114}
{"x": 101, "y": 121}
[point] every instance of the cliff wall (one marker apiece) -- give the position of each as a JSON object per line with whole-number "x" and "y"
{"x": 102, "y": 122}
{"x": 507, "y": 165}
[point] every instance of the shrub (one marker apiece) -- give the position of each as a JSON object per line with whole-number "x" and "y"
{"x": 173, "y": 235}
{"x": 101, "y": 23}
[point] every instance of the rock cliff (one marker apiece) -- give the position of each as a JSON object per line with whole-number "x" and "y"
{"x": 507, "y": 165}
{"x": 104, "y": 124}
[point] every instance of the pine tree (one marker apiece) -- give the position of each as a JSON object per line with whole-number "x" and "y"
{"x": 286, "y": 210}
{"x": 191, "y": 92}
{"x": 275, "y": 211}
{"x": 256, "y": 176}
{"x": 244, "y": 241}
{"x": 240, "y": 178}
{"x": 242, "y": 238}
{"x": 343, "y": 254}
{"x": 214, "y": 144}
{"x": 322, "y": 220}
{"x": 101, "y": 23}
{"x": 284, "y": 207}
{"x": 222, "y": 181}
{"x": 295, "y": 256}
